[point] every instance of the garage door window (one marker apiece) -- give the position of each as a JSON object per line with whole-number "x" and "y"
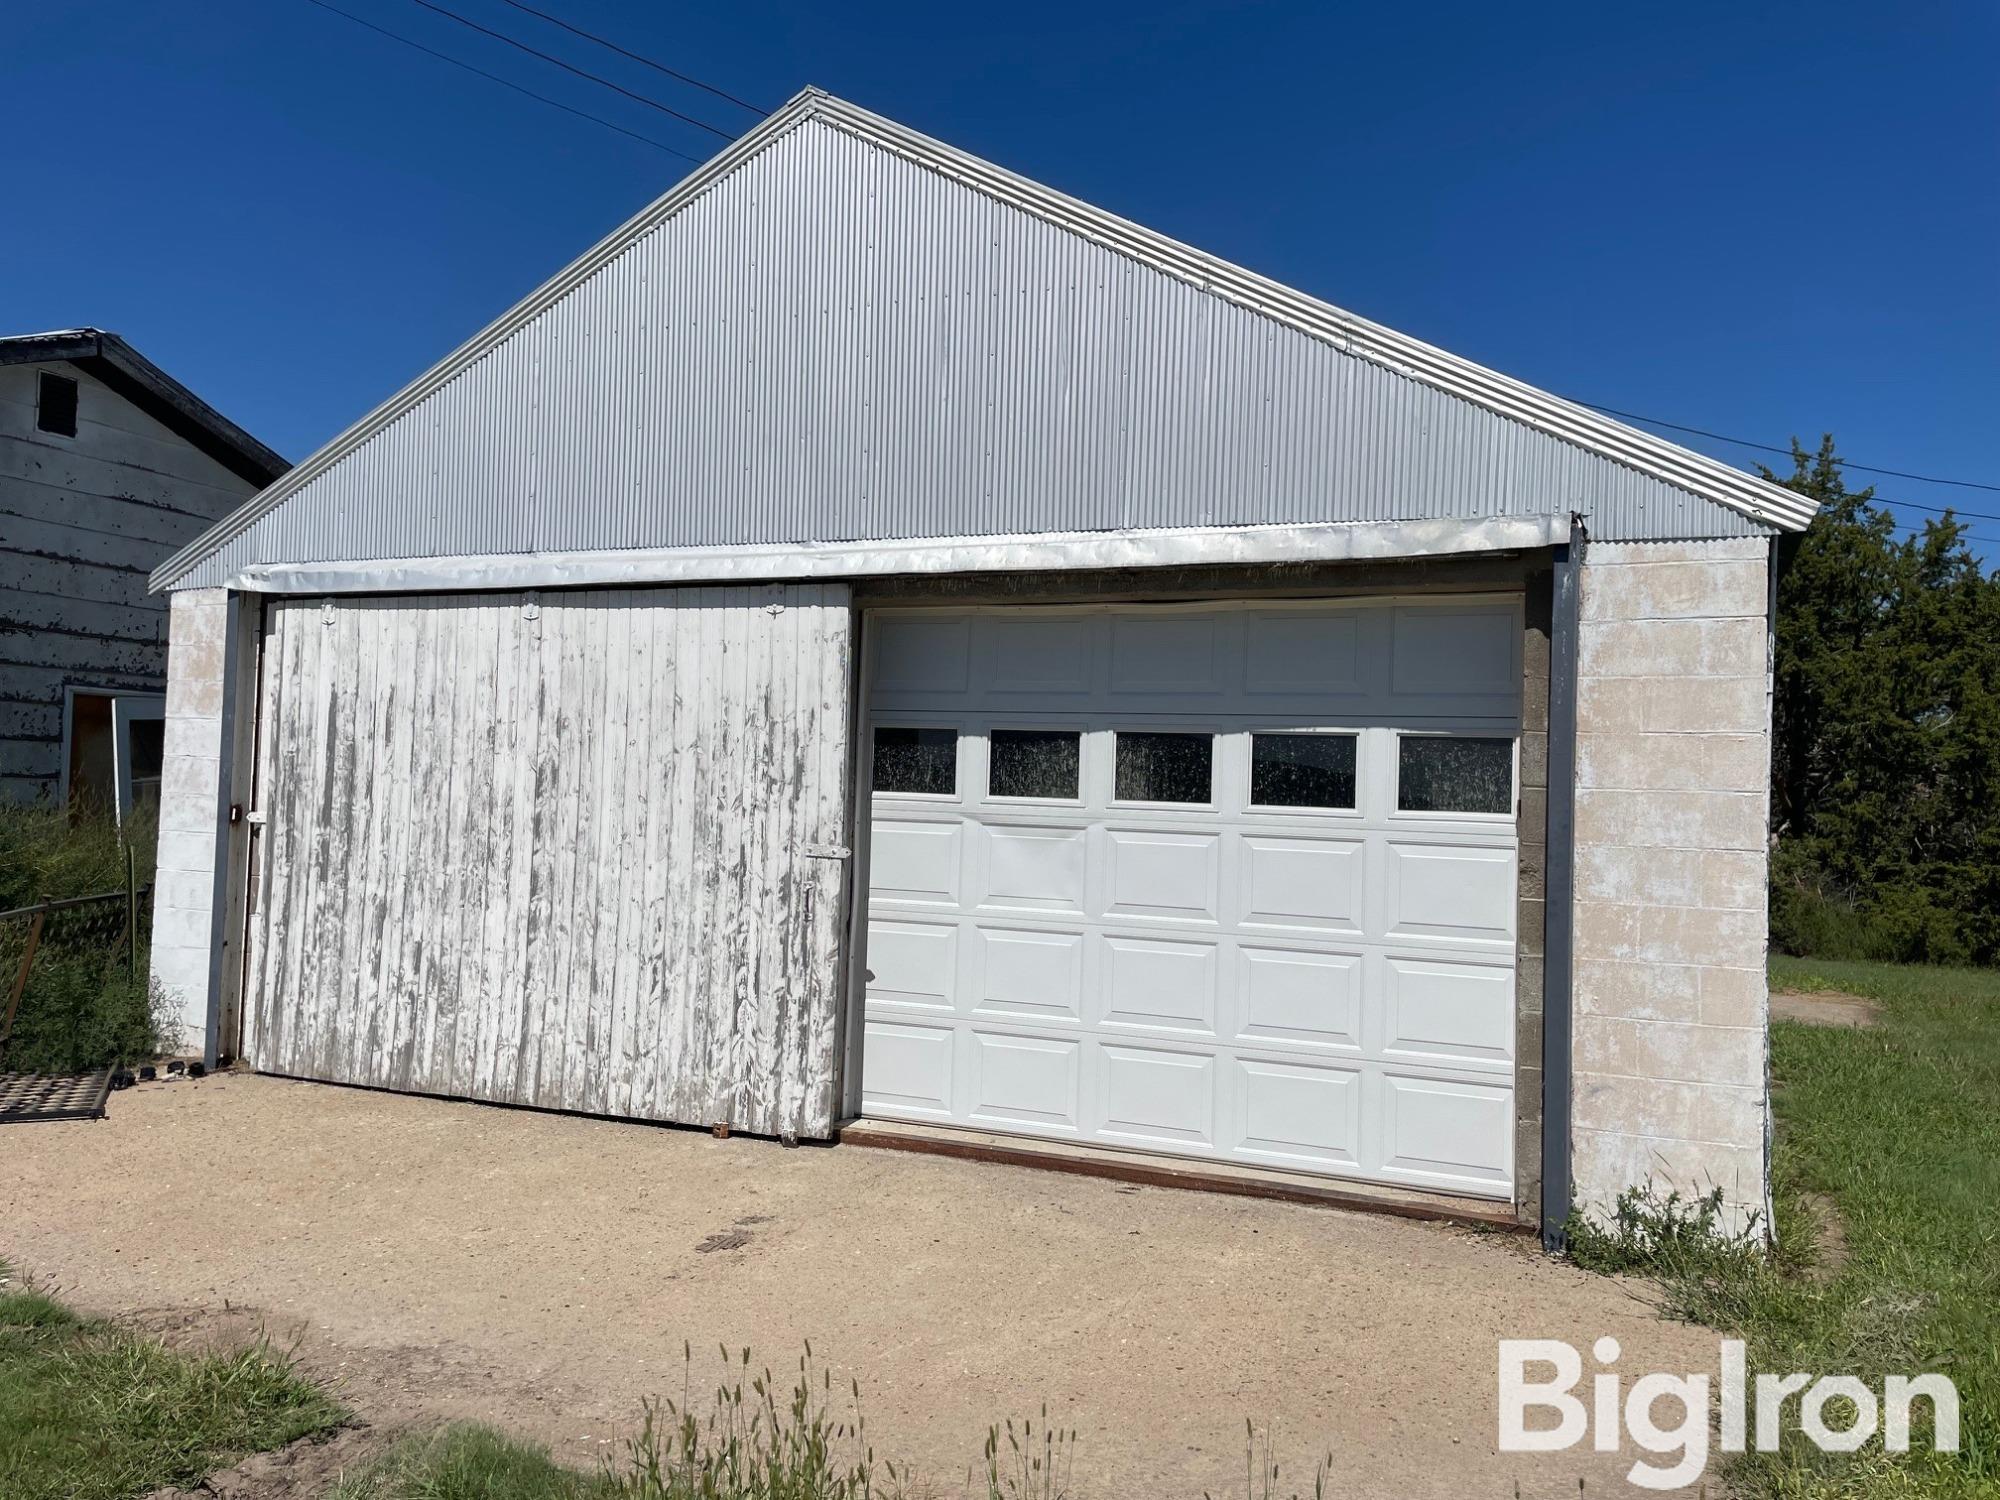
{"x": 1039, "y": 763}
{"x": 916, "y": 762}
{"x": 1450, "y": 773}
{"x": 1302, "y": 770}
{"x": 1155, "y": 767}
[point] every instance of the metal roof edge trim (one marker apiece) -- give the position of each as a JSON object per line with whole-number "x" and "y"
{"x": 1764, "y": 502}
{"x": 1047, "y": 552}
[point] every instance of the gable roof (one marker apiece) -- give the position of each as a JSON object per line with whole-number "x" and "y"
{"x": 605, "y": 309}
{"x": 128, "y": 372}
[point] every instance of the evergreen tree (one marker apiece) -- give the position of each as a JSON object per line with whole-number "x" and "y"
{"x": 1886, "y": 735}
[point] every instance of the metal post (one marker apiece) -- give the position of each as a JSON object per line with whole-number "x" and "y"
{"x": 1558, "y": 920}
{"x": 131, "y": 914}
{"x": 21, "y": 978}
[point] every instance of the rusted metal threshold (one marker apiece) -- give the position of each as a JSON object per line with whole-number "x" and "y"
{"x": 1173, "y": 1172}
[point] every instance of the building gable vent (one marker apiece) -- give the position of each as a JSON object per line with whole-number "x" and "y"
{"x": 55, "y": 405}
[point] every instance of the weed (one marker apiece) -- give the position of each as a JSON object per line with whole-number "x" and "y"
{"x": 1684, "y": 1244}
{"x": 1260, "y": 1468}
{"x": 1032, "y": 1467}
{"x": 752, "y": 1444}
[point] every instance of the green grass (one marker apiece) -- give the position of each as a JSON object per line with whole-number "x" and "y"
{"x": 467, "y": 1462}
{"x": 91, "y": 1412}
{"x": 1898, "y": 1125}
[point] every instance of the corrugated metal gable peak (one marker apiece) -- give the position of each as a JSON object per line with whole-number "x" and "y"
{"x": 1698, "y": 475}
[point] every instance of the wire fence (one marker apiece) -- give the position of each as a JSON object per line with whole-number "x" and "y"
{"x": 73, "y": 983}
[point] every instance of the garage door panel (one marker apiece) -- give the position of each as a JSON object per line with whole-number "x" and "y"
{"x": 1165, "y": 985}
{"x": 909, "y": 1068}
{"x": 1299, "y": 997}
{"x": 1044, "y": 659}
{"x": 913, "y": 964}
{"x": 1153, "y": 873}
{"x": 1030, "y": 974}
{"x": 1450, "y": 1132}
{"x": 1156, "y": 1095}
{"x": 1034, "y": 869}
{"x": 1179, "y": 656}
{"x": 1298, "y": 1115}
{"x": 1449, "y": 891}
{"x": 1468, "y": 659}
{"x": 1290, "y": 973}
{"x": 917, "y": 862}
{"x": 1312, "y": 883}
{"x": 1024, "y": 1080}
{"x": 1450, "y": 1011}
{"x": 1311, "y": 656}
{"x": 927, "y": 656}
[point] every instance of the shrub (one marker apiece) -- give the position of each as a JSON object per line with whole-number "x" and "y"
{"x": 87, "y": 1003}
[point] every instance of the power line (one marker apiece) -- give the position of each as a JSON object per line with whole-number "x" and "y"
{"x": 507, "y": 83}
{"x": 639, "y": 57}
{"x": 617, "y": 88}
{"x": 1612, "y": 411}
{"x": 1939, "y": 510}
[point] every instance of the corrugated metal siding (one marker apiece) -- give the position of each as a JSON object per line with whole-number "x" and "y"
{"x": 561, "y": 859}
{"x": 834, "y": 343}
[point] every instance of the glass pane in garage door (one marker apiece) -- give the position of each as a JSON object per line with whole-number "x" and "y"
{"x": 1165, "y": 767}
{"x": 1042, "y": 763}
{"x": 1302, "y": 770}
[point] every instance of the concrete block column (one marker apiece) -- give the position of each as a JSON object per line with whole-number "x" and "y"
{"x": 1672, "y": 816}
{"x": 193, "y": 811}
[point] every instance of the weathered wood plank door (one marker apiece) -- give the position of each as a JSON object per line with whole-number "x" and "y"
{"x": 585, "y": 851}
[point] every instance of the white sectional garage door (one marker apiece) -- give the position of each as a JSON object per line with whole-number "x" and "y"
{"x": 1226, "y": 882}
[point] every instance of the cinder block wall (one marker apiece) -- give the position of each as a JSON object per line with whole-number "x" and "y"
{"x": 184, "y": 893}
{"x": 1673, "y": 784}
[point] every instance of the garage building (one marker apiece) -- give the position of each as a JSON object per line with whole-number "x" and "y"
{"x": 878, "y": 640}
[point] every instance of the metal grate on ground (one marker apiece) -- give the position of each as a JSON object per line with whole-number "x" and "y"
{"x": 38, "y": 1096}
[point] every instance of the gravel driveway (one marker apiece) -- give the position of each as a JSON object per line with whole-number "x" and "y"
{"x": 541, "y": 1272}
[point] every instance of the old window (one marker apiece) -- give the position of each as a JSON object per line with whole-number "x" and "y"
{"x": 1452, "y": 773}
{"x": 55, "y": 404}
{"x": 1034, "y": 763}
{"x": 923, "y": 762}
{"x": 1302, "y": 770}
{"x": 142, "y": 755}
{"x": 1155, "y": 767}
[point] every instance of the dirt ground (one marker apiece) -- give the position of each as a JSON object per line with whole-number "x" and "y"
{"x": 1824, "y": 1008}
{"x": 540, "y": 1272}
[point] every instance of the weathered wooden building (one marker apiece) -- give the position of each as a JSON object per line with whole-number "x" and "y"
{"x": 878, "y": 639}
{"x": 107, "y": 467}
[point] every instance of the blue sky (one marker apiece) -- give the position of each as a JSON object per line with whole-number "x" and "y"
{"x": 1762, "y": 220}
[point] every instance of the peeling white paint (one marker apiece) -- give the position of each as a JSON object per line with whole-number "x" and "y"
{"x": 561, "y": 851}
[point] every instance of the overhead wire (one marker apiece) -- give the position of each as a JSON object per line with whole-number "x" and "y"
{"x": 639, "y": 57}
{"x": 508, "y": 83}
{"x": 569, "y": 67}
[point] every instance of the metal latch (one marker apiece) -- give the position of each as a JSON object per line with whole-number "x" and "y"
{"x": 825, "y": 851}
